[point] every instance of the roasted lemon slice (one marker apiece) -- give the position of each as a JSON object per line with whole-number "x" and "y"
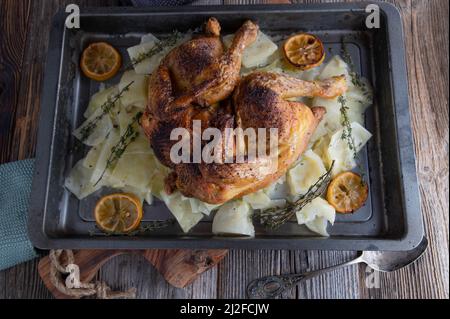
{"x": 100, "y": 61}
{"x": 347, "y": 192}
{"x": 304, "y": 51}
{"x": 118, "y": 213}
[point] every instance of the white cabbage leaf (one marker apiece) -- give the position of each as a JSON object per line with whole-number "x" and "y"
{"x": 319, "y": 226}
{"x": 101, "y": 98}
{"x": 78, "y": 181}
{"x": 314, "y": 213}
{"x": 100, "y": 171}
{"x": 148, "y": 65}
{"x": 234, "y": 218}
{"x": 134, "y": 170}
{"x": 278, "y": 189}
{"x": 339, "y": 150}
{"x": 305, "y": 174}
{"x": 260, "y": 200}
{"x": 181, "y": 209}
{"x": 99, "y": 132}
{"x": 136, "y": 95}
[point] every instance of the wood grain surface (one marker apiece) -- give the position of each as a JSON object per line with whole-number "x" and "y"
{"x": 179, "y": 267}
{"x": 23, "y": 45}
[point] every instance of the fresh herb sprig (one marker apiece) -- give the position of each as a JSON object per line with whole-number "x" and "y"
{"x": 159, "y": 47}
{"x": 347, "y": 127}
{"x": 126, "y": 139}
{"x": 347, "y": 133}
{"x": 273, "y": 218}
{"x": 355, "y": 77}
{"x": 149, "y": 227}
{"x": 106, "y": 107}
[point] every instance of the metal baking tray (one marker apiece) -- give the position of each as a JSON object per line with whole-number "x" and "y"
{"x": 391, "y": 219}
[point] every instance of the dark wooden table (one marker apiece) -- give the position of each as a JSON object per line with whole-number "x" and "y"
{"x": 24, "y": 30}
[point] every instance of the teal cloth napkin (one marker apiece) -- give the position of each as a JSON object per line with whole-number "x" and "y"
{"x": 15, "y": 187}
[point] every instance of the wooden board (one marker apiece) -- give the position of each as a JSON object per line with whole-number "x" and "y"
{"x": 179, "y": 267}
{"x": 23, "y": 47}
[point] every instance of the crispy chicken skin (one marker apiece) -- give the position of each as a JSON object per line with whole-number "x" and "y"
{"x": 260, "y": 101}
{"x": 198, "y": 74}
{"x": 200, "y": 71}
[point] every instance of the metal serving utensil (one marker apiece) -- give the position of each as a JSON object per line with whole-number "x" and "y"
{"x": 385, "y": 261}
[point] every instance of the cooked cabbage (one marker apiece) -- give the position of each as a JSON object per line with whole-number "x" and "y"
{"x": 181, "y": 209}
{"x": 78, "y": 181}
{"x": 136, "y": 95}
{"x": 141, "y": 144}
{"x": 331, "y": 121}
{"x": 124, "y": 117}
{"x": 203, "y": 207}
{"x": 335, "y": 67}
{"x": 319, "y": 226}
{"x": 147, "y": 66}
{"x": 157, "y": 181}
{"x": 257, "y": 200}
{"x": 91, "y": 159}
{"x": 98, "y": 132}
{"x": 305, "y": 174}
{"x": 278, "y": 190}
{"x": 260, "y": 200}
{"x": 148, "y": 38}
{"x": 315, "y": 213}
{"x": 135, "y": 170}
{"x": 320, "y": 147}
{"x": 234, "y": 218}
{"x": 340, "y": 152}
{"x": 104, "y": 155}
{"x": 100, "y": 98}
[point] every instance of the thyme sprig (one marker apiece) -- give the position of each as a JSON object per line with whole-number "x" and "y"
{"x": 347, "y": 133}
{"x": 356, "y": 78}
{"x": 159, "y": 47}
{"x": 126, "y": 139}
{"x": 347, "y": 130}
{"x": 273, "y": 218}
{"x": 106, "y": 107}
{"x": 149, "y": 227}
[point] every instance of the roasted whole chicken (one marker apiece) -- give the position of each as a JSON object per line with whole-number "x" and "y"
{"x": 188, "y": 86}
